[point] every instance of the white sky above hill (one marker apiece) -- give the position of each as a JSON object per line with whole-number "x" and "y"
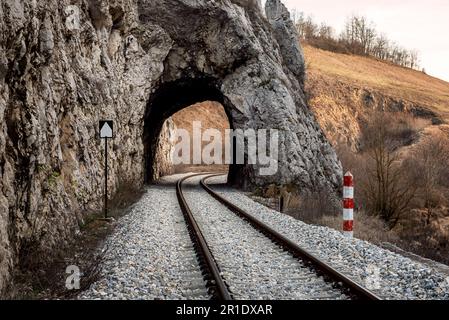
{"x": 414, "y": 24}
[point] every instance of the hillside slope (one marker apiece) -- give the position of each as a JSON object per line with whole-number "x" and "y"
{"x": 400, "y": 82}
{"x": 344, "y": 88}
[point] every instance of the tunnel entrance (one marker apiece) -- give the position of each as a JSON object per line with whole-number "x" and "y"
{"x": 176, "y": 106}
{"x": 201, "y": 117}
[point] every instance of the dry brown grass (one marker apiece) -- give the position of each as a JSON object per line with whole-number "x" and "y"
{"x": 366, "y": 228}
{"x": 401, "y": 83}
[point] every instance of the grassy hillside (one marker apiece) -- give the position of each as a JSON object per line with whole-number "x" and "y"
{"x": 398, "y": 82}
{"x": 343, "y": 89}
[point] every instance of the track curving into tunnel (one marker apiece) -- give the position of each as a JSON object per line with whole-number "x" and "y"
{"x": 243, "y": 258}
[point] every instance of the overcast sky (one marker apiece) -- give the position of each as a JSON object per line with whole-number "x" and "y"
{"x": 415, "y": 24}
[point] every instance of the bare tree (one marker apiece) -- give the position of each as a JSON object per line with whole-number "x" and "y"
{"x": 427, "y": 165}
{"x": 385, "y": 190}
{"x": 296, "y": 15}
{"x": 381, "y": 47}
{"x": 310, "y": 29}
{"x": 414, "y": 59}
{"x": 360, "y": 35}
{"x": 325, "y": 32}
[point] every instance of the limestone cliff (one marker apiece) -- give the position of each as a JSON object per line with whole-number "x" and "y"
{"x": 64, "y": 65}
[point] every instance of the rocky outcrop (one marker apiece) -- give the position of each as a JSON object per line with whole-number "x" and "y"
{"x": 163, "y": 161}
{"x": 287, "y": 37}
{"x": 64, "y": 65}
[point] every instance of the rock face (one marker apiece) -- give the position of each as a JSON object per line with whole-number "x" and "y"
{"x": 287, "y": 37}
{"x": 163, "y": 161}
{"x": 64, "y": 65}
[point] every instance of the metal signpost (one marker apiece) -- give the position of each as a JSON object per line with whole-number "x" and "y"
{"x": 106, "y": 132}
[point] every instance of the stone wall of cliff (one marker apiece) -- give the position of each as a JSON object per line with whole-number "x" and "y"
{"x": 64, "y": 65}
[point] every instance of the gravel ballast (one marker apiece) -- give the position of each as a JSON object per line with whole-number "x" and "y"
{"x": 388, "y": 274}
{"x": 150, "y": 254}
{"x": 252, "y": 265}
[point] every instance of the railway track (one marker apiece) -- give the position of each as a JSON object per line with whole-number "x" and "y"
{"x": 216, "y": 284}
{"x": 327, "y": 282}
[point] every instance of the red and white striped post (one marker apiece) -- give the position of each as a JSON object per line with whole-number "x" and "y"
{"x": 348, "y": 205}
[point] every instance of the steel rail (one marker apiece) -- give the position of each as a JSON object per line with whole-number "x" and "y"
{"x": 355, "y": 290}
{"x": 219, "y": 288}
